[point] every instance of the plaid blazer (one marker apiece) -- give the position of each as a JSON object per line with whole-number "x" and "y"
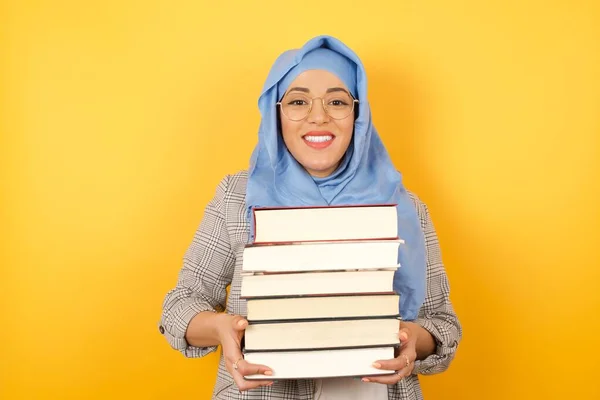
{"x": 213, "y": 261}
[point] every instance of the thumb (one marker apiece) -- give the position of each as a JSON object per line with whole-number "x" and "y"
{"x": 403, "y": 335}
{"x": 239, "y": 323}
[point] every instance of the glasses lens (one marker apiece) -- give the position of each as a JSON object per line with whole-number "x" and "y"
{"x": 338, "y": 105}
{"x": 295, "y": 106}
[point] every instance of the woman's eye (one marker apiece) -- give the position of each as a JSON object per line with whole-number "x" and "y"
{"x": 338, "y": 103}
{"x": 297, "y": 103}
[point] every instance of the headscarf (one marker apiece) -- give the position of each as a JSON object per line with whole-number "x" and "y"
{"x": 366, "y": 174}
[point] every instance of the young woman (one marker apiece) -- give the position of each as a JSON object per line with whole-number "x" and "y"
{"x": 317, "y": 146}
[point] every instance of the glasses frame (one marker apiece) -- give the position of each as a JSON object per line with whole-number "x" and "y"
{"x": 354, "y": 101}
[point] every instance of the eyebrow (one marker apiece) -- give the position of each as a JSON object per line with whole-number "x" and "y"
{"x": 336, "y": 89}
{"x": 307, "y": 90}
{"x": 299, "y": 89}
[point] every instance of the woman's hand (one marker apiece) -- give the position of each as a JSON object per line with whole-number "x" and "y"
{"x": 403, "y": 364}
{"x": 231, "y": 330}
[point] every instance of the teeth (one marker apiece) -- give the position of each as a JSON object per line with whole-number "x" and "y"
{"x": 318, "y": 139}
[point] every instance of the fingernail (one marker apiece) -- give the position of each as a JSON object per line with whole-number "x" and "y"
{"x": 241, "y": 322}
{"x": 376, "y": 365}
{"x": 365, "y": 380}
{"x": 403, "y": 335}
{"x": 268, "y": 372}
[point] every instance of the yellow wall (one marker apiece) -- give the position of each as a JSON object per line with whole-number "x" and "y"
{"x": 119, "y": 118}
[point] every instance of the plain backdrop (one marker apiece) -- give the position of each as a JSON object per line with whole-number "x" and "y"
{"x": 119, "y": 118}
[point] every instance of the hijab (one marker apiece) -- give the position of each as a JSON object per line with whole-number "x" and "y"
{"x": 366, "y": 174}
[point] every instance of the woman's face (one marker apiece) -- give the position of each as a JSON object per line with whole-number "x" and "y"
{"x": 317, "y": 142}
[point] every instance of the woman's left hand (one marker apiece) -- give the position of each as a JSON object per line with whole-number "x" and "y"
{"x": 403, "y": 364}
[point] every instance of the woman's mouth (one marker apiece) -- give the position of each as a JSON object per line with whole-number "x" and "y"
{"x": 318, "y": 140}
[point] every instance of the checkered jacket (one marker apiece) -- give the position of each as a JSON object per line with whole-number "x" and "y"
{"x": 214, "y": 260}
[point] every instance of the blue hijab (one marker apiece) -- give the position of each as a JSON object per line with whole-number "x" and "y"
{"x": 366, "y": 174}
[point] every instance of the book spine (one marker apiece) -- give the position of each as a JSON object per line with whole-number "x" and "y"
{"x": 296, "y": 296}
{"x": 335, "y": 206}
{"x": 321, "y": 319}
{"x": 276, "y": 243}
{"x": 245, "y": 350}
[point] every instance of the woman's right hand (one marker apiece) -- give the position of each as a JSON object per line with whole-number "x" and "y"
{"x": 231, "y": 330}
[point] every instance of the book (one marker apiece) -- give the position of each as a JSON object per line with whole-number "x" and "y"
{"x": 308, "y": 308}
{"x": 311, "y": 335}
{"x": 320, "y": 363}
{"x": 315, "y": 256}
{"x": 298, "y": 224}
{"x": 317, "y": 284}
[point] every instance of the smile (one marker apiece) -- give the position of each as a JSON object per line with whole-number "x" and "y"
{"x": 318, "y": 140}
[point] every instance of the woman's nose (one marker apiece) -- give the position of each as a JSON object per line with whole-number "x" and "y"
{"x": 317, "y": 112}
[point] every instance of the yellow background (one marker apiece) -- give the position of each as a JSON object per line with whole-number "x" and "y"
{"x": 118, "y": 119}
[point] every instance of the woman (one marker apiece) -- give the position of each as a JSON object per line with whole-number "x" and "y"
{"x": 317, "y": 146}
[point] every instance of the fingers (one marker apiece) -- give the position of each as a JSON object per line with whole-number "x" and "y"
{"x": 244, "y": 385}
{"x": 234, "y": 360}
{"x": 403, "y": 365}
{"x": 245, "y": 368}
{"x": 403, "y": 335}
{"x": 240, "y": 368}
{"x": 239, "y": 323}
{"x": 395, "y": 364}
{"x": 391, "y": 379}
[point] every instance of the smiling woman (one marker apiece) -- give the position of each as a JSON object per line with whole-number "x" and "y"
{"x": 317, "y": 147}
{"x": 317, "y": 133}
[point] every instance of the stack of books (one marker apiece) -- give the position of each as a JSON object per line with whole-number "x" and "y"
{"x": 318, "y": 282}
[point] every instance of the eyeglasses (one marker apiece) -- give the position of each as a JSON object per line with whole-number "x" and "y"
{"x": 297, "y": 106}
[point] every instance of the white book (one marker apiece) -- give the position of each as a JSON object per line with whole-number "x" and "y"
{"x": 320, "y": 363}
{"x": 323, "y": 307}
{"x": 315, "y": 256}
{"x": 317, "y": 284}
{"x": 312, "y": 335}
{"x": 290, "y": 224}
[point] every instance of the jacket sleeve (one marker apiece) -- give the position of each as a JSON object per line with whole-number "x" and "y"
{"x": 207, "y": 270}
{"x": 437, "y": 315}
